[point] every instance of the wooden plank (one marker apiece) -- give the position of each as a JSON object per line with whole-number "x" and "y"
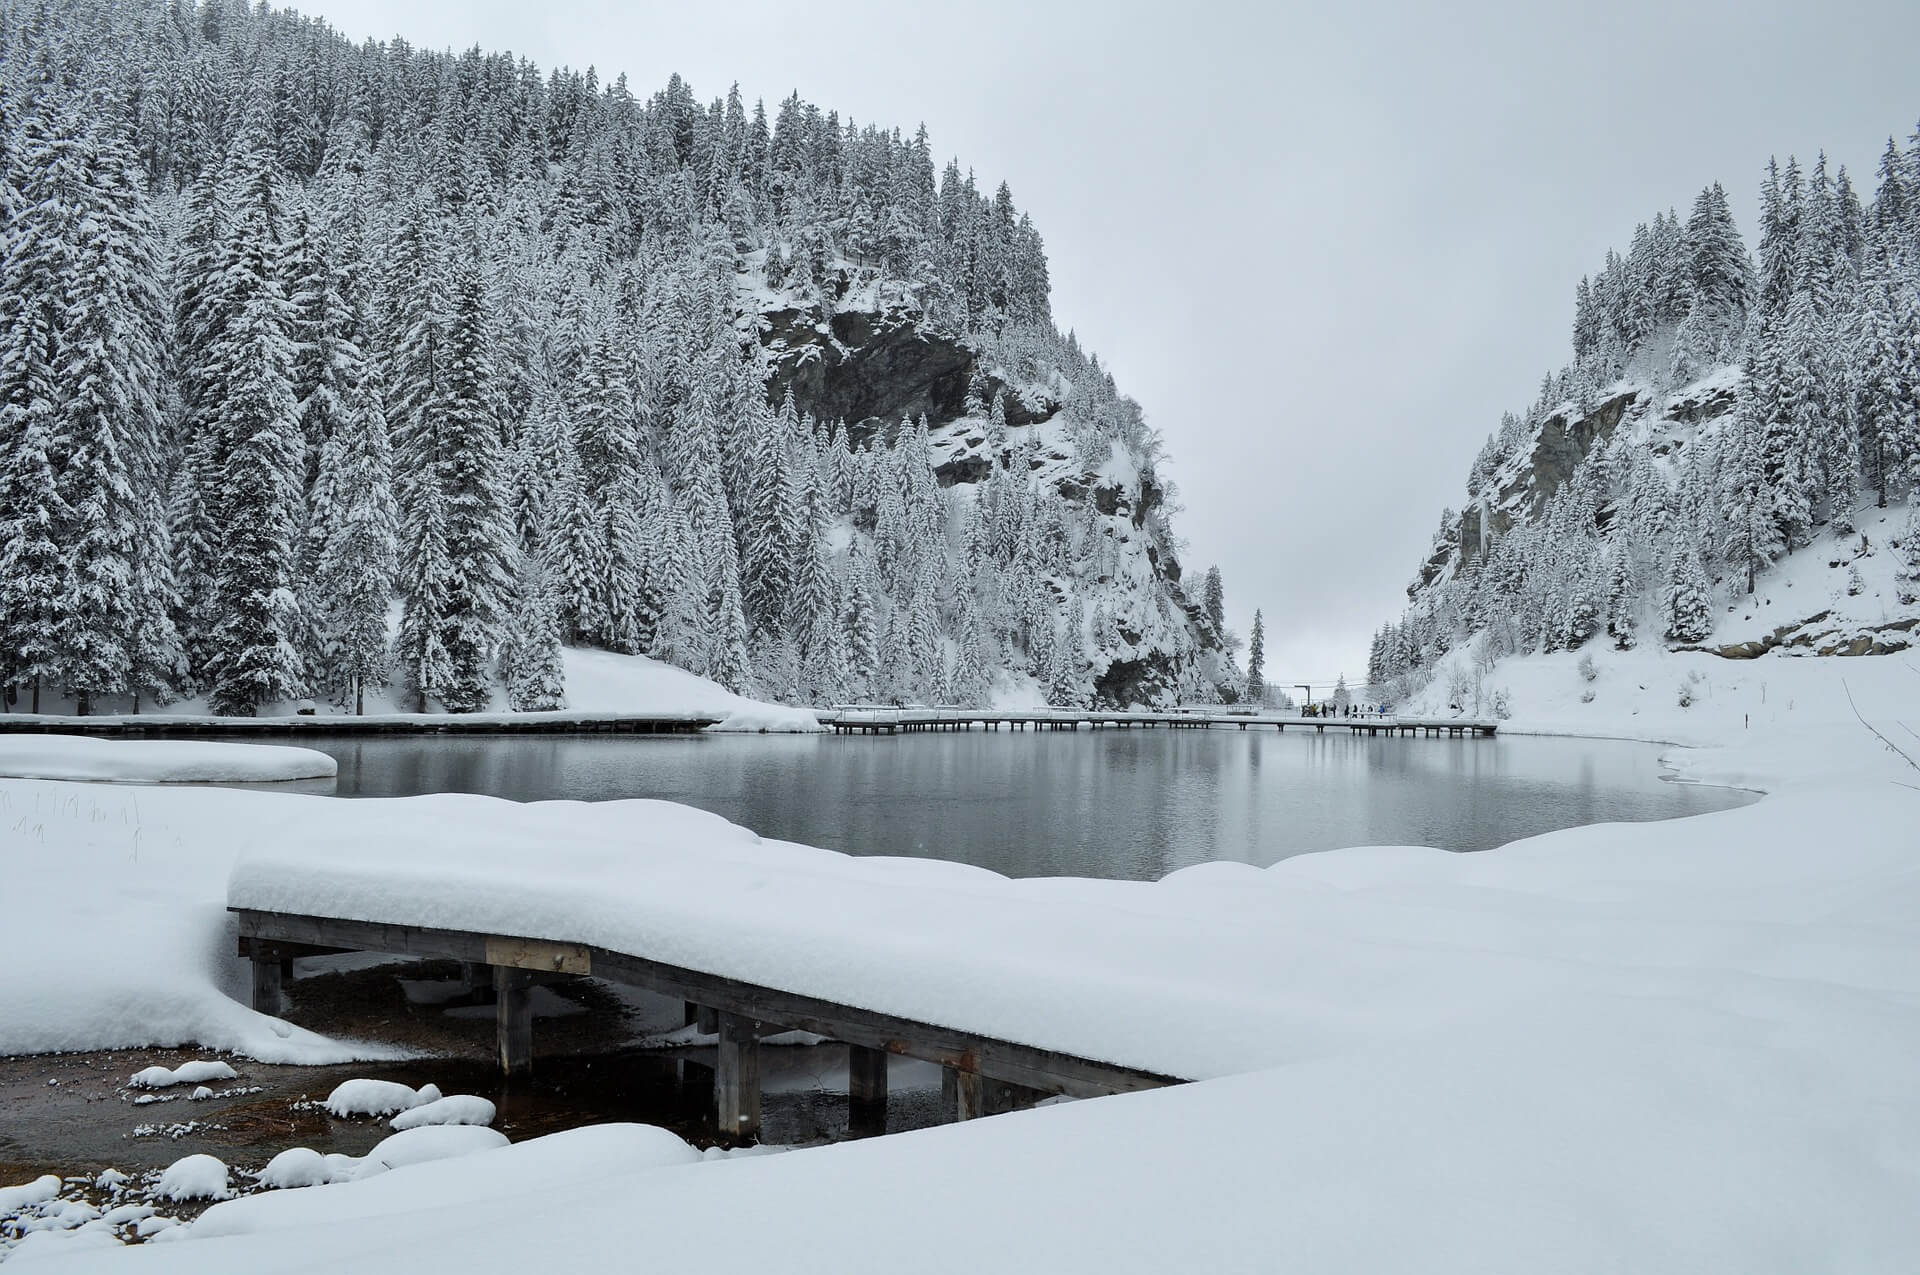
{"x": 534, "y": 954}
{"x": 866, "y": 1091}
{"x": 268, "y": 950}
{"x": 736, "y": 1080}
{"x": 1029, "y": 1065}
{"x": 513, "y": 1020}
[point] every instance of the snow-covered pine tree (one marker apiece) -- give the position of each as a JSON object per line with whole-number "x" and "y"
{"x": 971, "y": 682}
{"x": 530, "y": 656}
{"x": 1689, "y": 600}
{"x": 253, "y": 656}
{"x": 860, "y": 625}
{"x": 43, "y": 174}
{"x": 470, "y": 473}
{"x": 108, "y": 363}
{"x": 1257, "y": 660}
{"x": 1214, "y": 600}
{"x": 1623, "y": 598}
{"x": 357, "y": 547}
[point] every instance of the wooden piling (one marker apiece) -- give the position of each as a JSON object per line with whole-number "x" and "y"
{"x": 736, "y": 1080}
{"x": 866, "y": 1091}
{"x": 267, "y": 985}
{"x": 513, "y": 1019}
{"x": 962, "y": 1093}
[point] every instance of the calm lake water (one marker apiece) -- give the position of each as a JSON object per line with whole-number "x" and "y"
{"x": 1127, "y": 804}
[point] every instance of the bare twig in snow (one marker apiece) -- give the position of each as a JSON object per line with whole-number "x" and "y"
{"x": 1898, "y": 751}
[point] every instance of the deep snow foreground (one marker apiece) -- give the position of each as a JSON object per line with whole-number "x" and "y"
{"x": 1659, "y": 1047}
{"x": 145, "y": 761}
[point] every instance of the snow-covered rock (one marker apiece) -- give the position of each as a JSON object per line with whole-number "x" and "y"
{"x": 453, "y": 1109}
{"x": 194, "y": 1177}
{"x": 189, "y": 1073}
{"x": 295, "y": 1167}
{"x": 39, "y": 1191}
{"x": 376, "y": 1098}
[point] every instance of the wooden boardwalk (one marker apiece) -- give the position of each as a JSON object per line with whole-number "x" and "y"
{"x": 983, "y": 1075}
{"x": 155, "y": 725}
{"x": 891, "y": 721}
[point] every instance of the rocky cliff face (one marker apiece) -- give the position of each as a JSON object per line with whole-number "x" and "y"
{"x": 870, "y": 368}
{"x": 1563, "y": 441}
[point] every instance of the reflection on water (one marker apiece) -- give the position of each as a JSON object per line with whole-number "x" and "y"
{"x": 1130, "y": 804}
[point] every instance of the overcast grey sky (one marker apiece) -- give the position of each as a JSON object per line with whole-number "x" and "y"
{"x": 1324, "y": 245}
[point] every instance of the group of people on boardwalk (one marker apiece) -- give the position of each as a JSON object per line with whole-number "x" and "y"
{"x": 1344, "y": 710}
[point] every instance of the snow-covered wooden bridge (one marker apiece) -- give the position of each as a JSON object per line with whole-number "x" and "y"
{"x": 890, "y": 721}
{"x": 982, "y": 1074}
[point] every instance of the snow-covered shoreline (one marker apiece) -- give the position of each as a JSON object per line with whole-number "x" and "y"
{"x": 126, "y": 761}
{"x": 600, "y": 685}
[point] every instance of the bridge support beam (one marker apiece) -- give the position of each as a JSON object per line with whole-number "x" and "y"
{"x": 736, "y": 1080}
{"x": 866, "y": 1091}
{"x": 268, "y": 982}
{"x": 513, "y": 1019}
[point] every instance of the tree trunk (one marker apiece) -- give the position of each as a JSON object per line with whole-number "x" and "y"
{"x": 136, "y": 701}
{"x": 359, "y": 697}
{"x": 36, "y": 693}
{"x": 82, "y": 703}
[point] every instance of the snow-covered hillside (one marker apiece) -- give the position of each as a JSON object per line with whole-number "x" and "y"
{"x": 1731, "y": 461}
{"x": 293, "y": 331}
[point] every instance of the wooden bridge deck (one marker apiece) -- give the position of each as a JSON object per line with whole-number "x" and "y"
{"x": 160, "y": 725}
{"x": 895, "y": 721}
{"x": 983, "y": 1075}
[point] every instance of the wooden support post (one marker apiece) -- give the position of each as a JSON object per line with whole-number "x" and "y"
{"x": 707, "y": 1020}
{"x": 866, "y": 1091}
{"x": 266, "y": 985}
{"x": 513, "y": 1019}
{"x": 736, "y": 1080}
{"x": 963, "y": 1093}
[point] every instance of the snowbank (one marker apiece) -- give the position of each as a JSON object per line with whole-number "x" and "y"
{"x": 153, "y": 761}
{"x": 635, "y": 684}
{"x": 556, "y": 1167}
{"x": 426, "y": 1144}
{"x": 116, "y": 932}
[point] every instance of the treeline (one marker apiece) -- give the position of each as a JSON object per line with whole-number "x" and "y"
{"x": 1821, "y": 340}
{"x": 296, "y": 334}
